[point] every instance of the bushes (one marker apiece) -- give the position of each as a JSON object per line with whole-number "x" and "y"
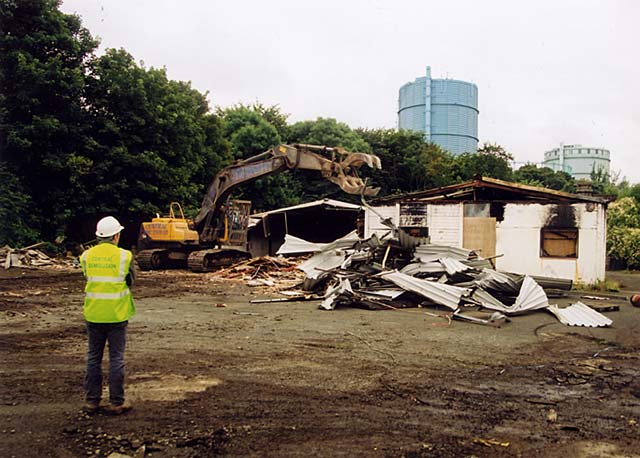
{"x": 15, "y": 216}
{"x": 623, "y": 245}
{"x": 623, "y": 238}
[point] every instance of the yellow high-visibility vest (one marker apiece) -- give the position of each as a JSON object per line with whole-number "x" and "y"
{"x": 107, "y": 296}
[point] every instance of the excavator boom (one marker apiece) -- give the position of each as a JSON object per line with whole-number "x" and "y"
{"x": 340, "y": 169}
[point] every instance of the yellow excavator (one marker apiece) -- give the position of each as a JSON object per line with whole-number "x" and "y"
{"x": 217, "y": 236}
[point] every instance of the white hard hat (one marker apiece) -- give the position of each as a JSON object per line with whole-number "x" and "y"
{"x": 108, "y": 226}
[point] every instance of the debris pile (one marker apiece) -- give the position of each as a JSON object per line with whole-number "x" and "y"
{"x": 30, "y": 257}
{"x": 398, "y": 270}
{"x": 266, "y": 271}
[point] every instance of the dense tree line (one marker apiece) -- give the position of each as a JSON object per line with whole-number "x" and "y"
{"x": 83, "y": 135}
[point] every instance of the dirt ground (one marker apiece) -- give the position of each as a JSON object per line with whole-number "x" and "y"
{"x": 210, "y": 374}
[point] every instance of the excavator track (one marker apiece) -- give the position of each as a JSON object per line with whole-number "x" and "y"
{"x": 152, "y": 259}
{"x": 209, "y": 260}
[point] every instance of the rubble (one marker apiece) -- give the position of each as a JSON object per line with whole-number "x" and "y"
{"x": 277, "y": 273}
{"x": 29, "y": 257}
{"x": 397, "y": 270}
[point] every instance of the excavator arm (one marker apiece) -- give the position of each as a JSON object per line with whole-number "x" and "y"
{"x": 340, "y": 169}
{"x": 220, "y": 232}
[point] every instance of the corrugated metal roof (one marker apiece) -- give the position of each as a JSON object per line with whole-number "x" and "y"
{"x": 446, "y": 295}
{"x": 580, "y": 314}
{"x": 528, "y": 192}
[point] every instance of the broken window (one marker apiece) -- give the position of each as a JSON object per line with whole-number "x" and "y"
{"x": 482, "y": 210}
{"x": 413, "y": 218}
{"x": 559, "y": 243}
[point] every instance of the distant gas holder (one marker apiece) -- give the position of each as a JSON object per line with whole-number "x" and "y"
{"x": 446, "y": 110}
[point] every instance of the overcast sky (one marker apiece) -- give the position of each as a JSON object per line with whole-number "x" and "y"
{"x": 547, "y": 71}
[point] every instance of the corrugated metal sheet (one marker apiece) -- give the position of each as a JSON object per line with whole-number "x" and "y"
{"x": 478, "y": 263}
{"x": 343, "y": 242}
{"x": 531, "y": 297}
{"x": 329, "y": 302}
{"x": 497, "y": 281}
{"x": 385, "y": 293}
{"x": 317, "y": 265}
{"x": 423, "y": 268}
{"x": 580, "y": 314}
{"x": 453, "y": 266}
{"x": 431, "y": 250}
{"x": 294, "y": 244}
{"x": 487, "y": 300}
{"x": 445, "y": 224}
{"x": 406, "y": 240}
{"x": 446, "y": 295}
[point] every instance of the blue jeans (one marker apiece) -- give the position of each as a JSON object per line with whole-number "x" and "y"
{"x": 99, "y": 334}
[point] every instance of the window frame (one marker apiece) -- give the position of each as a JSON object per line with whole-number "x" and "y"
{"x": 561, "y": 230}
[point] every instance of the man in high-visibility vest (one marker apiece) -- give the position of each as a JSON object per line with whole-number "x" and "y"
{"x": 108, "y": 305}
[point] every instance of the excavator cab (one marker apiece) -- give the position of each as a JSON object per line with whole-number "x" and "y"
{"x": 236, "y": 223}
{"x": 174, "y": 228}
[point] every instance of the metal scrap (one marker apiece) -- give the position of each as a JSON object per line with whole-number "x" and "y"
{"x": 442, "y": 294}
{"x": 453, "y": 266}
{"x": 495, "y": 319}
{"x": 296, "y": 245}
{"x": 332, "y": 294}
{"x": 428, "y": 252}
{"x": 497, "y": 281}
{"x": 397, "y": 271}
{"x": 580, "y": 314}
{"x": 318, "y": 265}
{"x": 531, "y": 297}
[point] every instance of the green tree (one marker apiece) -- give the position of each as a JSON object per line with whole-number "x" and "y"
{"x": 493, "y": 149}
{"x": 16, "y": 217}
{"x": 250, "y": 132}
{"x": 43, "y": 59}
{"x": 274, "y": 116}
{"x": 609, "y": 184}
{"x": 491, "y": 160}
{"x": 623, "y": 212}
{"x": 544, "y": 176}
{"x": 327, "y": 132}
{"x": 155, "y": 140}
{"x": 634, "y": 191}
{"x": 623, "y": 232}
{"x": 408, "y": 162}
